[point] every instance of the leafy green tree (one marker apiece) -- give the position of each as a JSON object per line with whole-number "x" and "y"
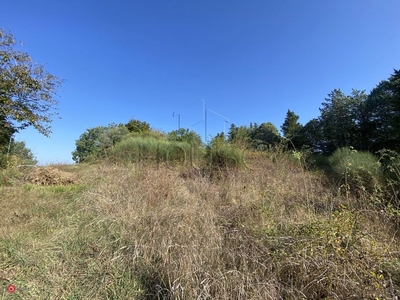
{"x": 137, "y": 126}
{"x": 376, "y": 130}
{"x": 185, "y": 135}
{"x": 312, "y": 137}
{"x": 340, "y": 120}
{"x": 381, "y": 126}
{"x": 27, "y": 91}
{"x": 95, "y": 142}
{"x": 265, "y": 134}
{"x": 19, "y": 149}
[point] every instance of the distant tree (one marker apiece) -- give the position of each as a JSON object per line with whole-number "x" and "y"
{"x": 312, "y": 137}
{"x": 339, "y": 119}
{"x": 27, "y": 91}
{"x": 24, "y": 154}
{"x": 112, "y": 135}
{"x": 265, "y": 134}
{"x": 394, "y": 87}
{"x": 233, "y": 129}
{"x": 290, "y": 126}
{"x": 381, "y": 127}
{"x": 185, "y": 135}
{"x": 291, "y": 130}
{"x": 95, "y": 142}
{"x": 376, "y": 130}
{"x": 137, "y": 126}
{"x": 239, "y": 136}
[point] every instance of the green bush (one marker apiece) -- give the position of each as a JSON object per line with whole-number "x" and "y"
{"x": 357, "y": 171}
{"x": 225, "y": 156}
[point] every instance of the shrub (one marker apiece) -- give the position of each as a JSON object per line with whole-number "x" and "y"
{"x": 357, "y": 171}
{"x": 224, "y": 156}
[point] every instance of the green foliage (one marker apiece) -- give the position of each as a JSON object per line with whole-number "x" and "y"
{"x": 218, "y": 141}
{"x": 291, "y": 126}
{"x": 137, "y": 126}
{"x": 265, "y": 135}
{"x": 9, "y": 171}
{"x": 303, "y": 157}
{"x": 376, "y": 127}
{"x": 95, "y": 142}
{"x": 156, "y": 134}
{"x": 365, "y": 122}
{"x": 358, "y": 171}
{"x": 240, "y": 136}
{"x": 390, "y": 161}
{"x": 27, "y": 91}
{"x": 291, "y": 129}
{"x": 224, "y": 156}
{"x": 185, "y": 135}
{"x": 18, "y": 154}
{"x": 340, "y": 118}
{"x": 24, "y": 154}
{"x": 394, "y": 87}
{"x": 139, "y": 149}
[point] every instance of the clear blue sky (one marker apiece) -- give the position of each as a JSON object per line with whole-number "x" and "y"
{"x": 250, "y": 60}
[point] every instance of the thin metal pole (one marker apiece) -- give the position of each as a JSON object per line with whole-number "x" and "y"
{"x": 205, "y": 126}
{"x": 225, "y": 121}
{"x": 203, "y": 112}
{"x": 179, "y": 119}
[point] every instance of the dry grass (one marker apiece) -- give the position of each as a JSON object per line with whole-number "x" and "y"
{"x": 270, "y": 231}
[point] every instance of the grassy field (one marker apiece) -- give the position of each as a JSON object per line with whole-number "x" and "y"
{"x": 270, "y": 230}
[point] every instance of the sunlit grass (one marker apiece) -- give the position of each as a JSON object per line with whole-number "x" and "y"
{"x": 267, "y": 231}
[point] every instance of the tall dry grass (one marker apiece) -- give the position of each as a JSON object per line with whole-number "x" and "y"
{"x": 268, "y": 231}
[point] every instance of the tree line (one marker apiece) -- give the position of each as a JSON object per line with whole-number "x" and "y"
{"x": 368, "y": 122}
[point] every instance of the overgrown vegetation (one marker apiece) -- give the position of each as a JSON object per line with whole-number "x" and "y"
{"x": 272, "y": 230}
{"x": 155, "y": 215}
{"x": 149, "y": 149}
{"x": 356, "y": 171}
